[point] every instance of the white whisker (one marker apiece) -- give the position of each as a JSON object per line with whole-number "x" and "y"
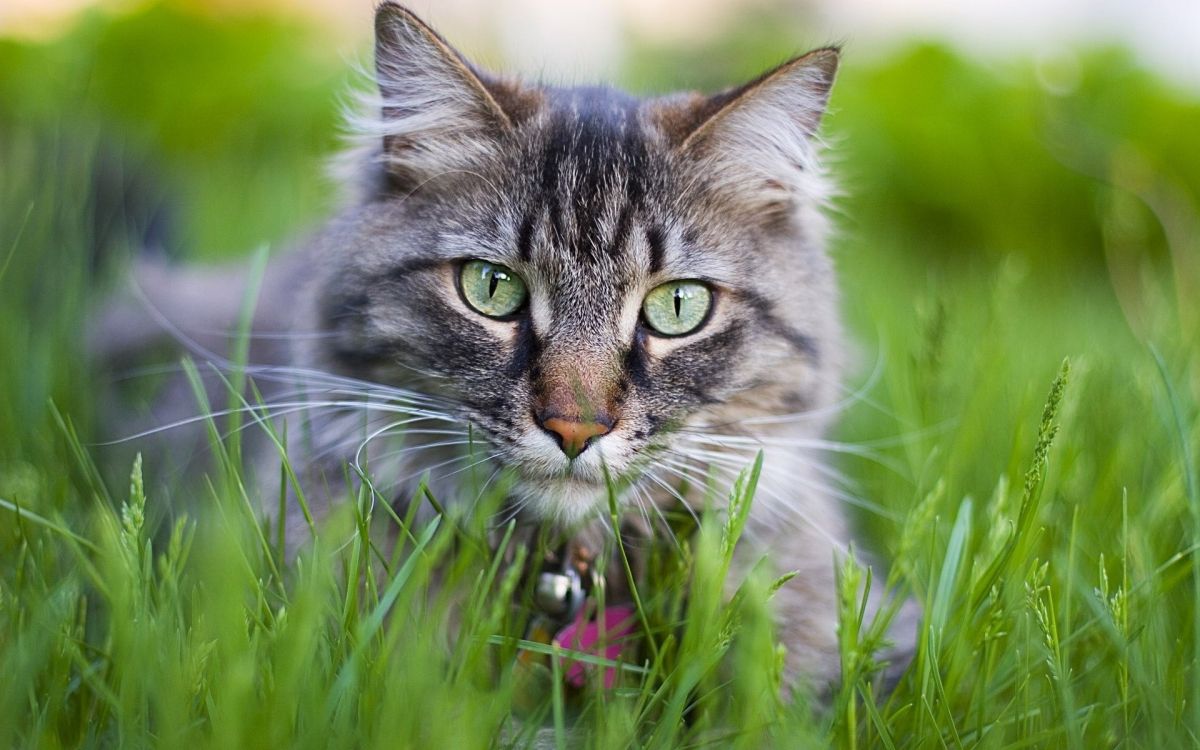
{"x": 646, "y": 501}
{"x": 673, "y": 493}
{"x": 419, "y": 447}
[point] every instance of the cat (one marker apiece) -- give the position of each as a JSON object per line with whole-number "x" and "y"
{"x": 584, "y": 282}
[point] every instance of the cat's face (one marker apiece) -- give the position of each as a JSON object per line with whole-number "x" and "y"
{"x": 583, "y": 273}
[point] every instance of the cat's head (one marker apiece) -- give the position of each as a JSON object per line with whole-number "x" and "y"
{"x": 582, "y": 272}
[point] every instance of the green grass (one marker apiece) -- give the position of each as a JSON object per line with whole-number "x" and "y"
{"x": 1048, "y": 521}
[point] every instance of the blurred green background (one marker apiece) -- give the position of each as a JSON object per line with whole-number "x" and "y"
{"x": 997, "y": 216}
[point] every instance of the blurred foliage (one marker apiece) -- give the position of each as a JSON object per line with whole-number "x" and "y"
{"x": 233, "y": 120}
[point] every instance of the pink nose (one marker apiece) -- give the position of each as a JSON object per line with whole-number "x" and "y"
{"x": 574, "y": 436}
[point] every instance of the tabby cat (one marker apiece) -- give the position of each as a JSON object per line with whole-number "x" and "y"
{"x": 582, "y": 281}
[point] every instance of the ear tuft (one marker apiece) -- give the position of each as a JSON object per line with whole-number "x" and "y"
{"x": 757, "y": 141}
{"x": 436, "y": 115}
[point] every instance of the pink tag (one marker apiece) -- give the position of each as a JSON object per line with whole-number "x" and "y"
{"x": 585, "y": 636}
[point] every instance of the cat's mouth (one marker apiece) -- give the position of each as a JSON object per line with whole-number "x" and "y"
{"x": 569, "y": 491}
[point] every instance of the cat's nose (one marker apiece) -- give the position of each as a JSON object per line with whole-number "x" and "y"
{"x": 575, "y": 436}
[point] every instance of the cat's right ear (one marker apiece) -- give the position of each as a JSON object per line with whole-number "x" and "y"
{"x": 757, "y": 141}
{"x": 438, "y": 115}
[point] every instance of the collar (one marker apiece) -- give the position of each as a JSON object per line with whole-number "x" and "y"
{"x": 566, "y": 615}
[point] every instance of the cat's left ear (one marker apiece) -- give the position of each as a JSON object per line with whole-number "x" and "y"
{"x": 757, "y": 140}
{"x": 439, "y": 115}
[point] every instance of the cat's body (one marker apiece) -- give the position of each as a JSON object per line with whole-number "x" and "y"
{"x": 593, "y": 200}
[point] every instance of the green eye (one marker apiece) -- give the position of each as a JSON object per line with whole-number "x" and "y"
{"x": 491, "y": 289}
{"x": 677, "y": 307}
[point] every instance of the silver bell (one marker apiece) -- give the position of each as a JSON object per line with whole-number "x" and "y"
{"x": 560, "y": 595}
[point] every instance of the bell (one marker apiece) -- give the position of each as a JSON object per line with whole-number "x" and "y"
{"x": 560, "y": 595}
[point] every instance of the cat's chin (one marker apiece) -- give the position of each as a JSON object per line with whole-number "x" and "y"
{"x": 565, "y": 500}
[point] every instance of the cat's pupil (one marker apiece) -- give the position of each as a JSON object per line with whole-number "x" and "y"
{"x": 493, "y": 282}
{"x": 678, "y": 300}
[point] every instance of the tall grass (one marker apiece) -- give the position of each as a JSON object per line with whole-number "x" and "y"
{"x": 1045, "y": 514}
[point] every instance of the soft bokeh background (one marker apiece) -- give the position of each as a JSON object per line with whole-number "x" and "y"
{"x": 1020, "y": 182}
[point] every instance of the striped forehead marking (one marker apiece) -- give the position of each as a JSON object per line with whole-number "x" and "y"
{"x": 593, "y": 169}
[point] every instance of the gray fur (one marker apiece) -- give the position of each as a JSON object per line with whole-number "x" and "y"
{"x": 594, "y": 198}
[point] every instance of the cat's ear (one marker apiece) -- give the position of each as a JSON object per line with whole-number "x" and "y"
{"x": 439, "y": 115}
{"x": 757, "y": 140}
